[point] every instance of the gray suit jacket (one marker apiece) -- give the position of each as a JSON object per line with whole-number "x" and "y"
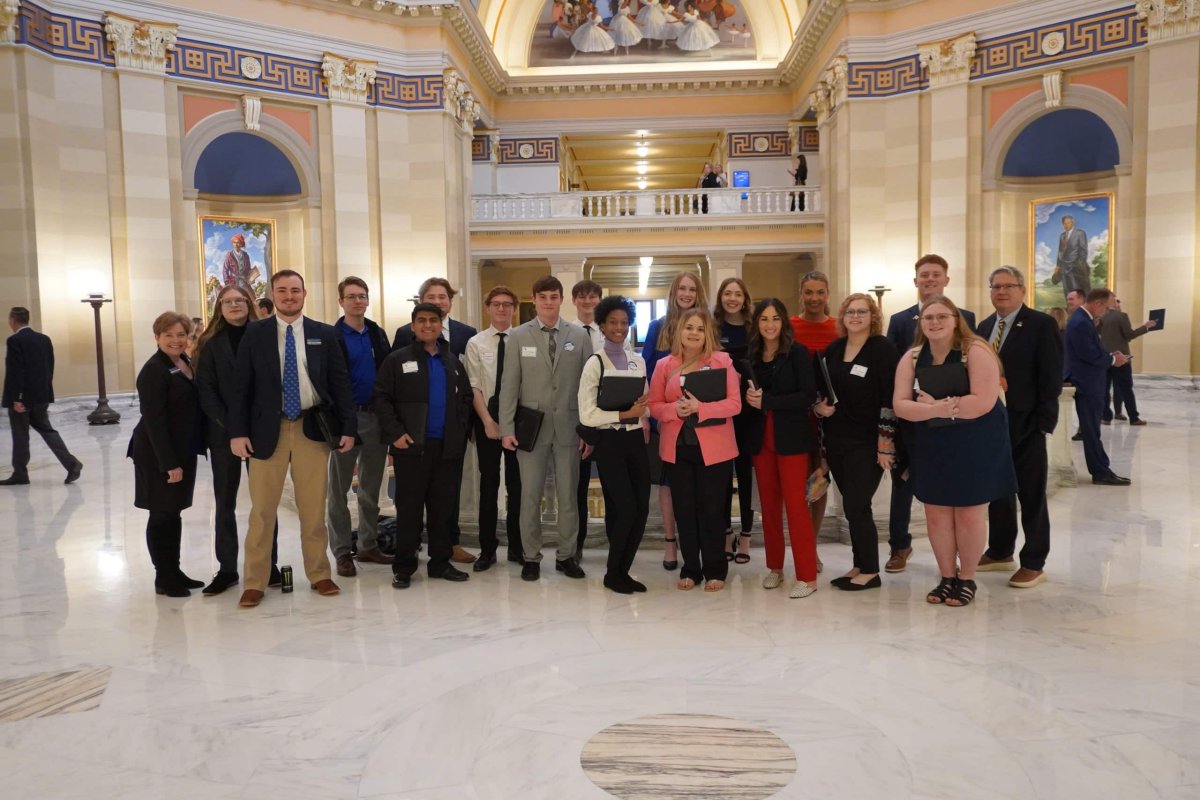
{"x": 1116, "y": 331}
{"x": 530, "y": 381}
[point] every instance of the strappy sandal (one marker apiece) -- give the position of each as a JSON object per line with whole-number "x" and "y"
{"x": 685, "y": 584}
{"x": 670, "y": 566}
{"x": 942, "y": 592}
{"x": 742, "y": 558}
{"x": 964, "y": 593}
{"x": 729, "y": 553}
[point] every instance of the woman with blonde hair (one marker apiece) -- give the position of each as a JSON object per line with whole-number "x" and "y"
{"x": 697, "y": 446}
{"x": 948, "y": 384}
{"x": 686, "y": 292}
{"x": 732, "y": 312}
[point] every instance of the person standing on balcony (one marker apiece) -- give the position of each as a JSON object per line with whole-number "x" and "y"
{"x": 800, "y": 176}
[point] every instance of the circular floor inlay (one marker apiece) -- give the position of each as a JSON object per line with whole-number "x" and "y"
{"x": 688, "y": 756}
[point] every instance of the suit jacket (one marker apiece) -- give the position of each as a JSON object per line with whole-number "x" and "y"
{"x": 902, "y": 327}
{"x": 717, "y": 442}
{"x": 29, "y": 369}
{"x": 1116, "y": 331}
{"x": 168, "y": 435}
{"x": 459, "y": 334}
{"x": 791, "y": 395}
{"x": 1072, "y": 252}
{"x": 1032, "y": 359}
{"x": 1085, "y": 362}
{"x": 258, "y": 399}
{"x": 216, "y": 377}
{"x": 379, "y": 342}
{"x": 401, "y": 400}
{"x": 530, "y": 380}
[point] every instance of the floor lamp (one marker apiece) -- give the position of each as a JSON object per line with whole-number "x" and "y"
{"x": 102, "y": 415}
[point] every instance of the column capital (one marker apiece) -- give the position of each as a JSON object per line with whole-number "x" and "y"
{"x": 820, "y": 102}
{"x": 494, "y": 150}
{"x": 140, "y": 44}
{"x": 251, "y": 111}
{"x": 10, "y": 12}
{"x": 458, "y": 100}
{"x": 348, "y": 79}
{"x": 1169, "y": 19}
{"x": 948, "y": 61}
{"x": 1052, "y": 88}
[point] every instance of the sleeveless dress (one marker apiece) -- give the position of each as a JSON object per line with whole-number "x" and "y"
{"x": 968, "y": 463}
{"x": 622, "y": 30}
{"x": 591, "y": 38}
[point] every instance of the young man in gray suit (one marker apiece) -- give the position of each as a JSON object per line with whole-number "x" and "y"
{"x": 542, "y": 365}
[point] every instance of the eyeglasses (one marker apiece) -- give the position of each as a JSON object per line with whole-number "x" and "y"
{"x": 938, "y": 317}
{"x": 501, "y": 304}
{"x": 1004, "y": 287}
{"x": 858, "y": 312}
{"x": 355, "y": 298}
{"x": 234, "y": 301}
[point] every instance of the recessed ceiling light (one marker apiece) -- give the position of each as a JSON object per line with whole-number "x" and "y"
{"x": 643, "y": 151}
{"x": 642, "y": 183}
{"x": 642, "y": 167}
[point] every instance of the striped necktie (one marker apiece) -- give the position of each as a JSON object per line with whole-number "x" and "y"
{"x": 999, "y": 335}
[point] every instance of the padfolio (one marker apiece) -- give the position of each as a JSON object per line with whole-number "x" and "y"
{"x": 527, "y": 423}
{"x": 944, "y": 380}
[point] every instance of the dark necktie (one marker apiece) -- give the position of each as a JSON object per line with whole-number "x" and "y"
{"x": 552, "y": 345}
{"x": 999, "y": 336}
{"x": 588, "y": 328}
{"x": 500, "y": 363}
{"x": 291, "y": 376}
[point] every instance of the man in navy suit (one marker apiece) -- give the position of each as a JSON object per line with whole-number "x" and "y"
{"x": 292, "y": 382}
{"x": 28, "y": 393}
{"x": 1085, "y": 364}
{"x": 931, "y": 279}
{"x": 1030, "y": 349}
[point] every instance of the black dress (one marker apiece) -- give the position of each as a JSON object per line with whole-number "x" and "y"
{"x": 967, "y": 463}
{"x": 168, "y": 436}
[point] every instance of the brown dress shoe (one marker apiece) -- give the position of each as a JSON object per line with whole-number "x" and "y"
{"x": 325, "y": 588}
{"x": 374, "y": 556}
{"x": 345, "y": 566}
{"x": 898, "y": 560}
{"x": 250, "y": 598}
{"x": 1026, "y": 578}
{"x": 461, "y": 556}
{"x": 987, "y": 564}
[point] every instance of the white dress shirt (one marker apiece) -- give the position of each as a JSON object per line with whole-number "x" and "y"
{"x": 589, "y": 385}
{"x": 308, "y": 395}
{"x": 481, "y": 359}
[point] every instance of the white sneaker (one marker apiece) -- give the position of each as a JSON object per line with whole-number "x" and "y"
{"x": 801, "y": 589}
{"x": 772, "y": 580}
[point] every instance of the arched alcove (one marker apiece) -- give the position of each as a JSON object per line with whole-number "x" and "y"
{"x": 275, "y": 134}
{"x": 1069, "y": 141}
{"x": 245, "y": 165}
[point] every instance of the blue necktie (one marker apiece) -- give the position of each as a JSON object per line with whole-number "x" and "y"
{"x": 291, "y": 377}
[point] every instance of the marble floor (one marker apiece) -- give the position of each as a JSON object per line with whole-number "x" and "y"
{"x": 1086, "y": 686}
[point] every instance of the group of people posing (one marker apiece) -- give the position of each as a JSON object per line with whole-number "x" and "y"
{"x": 956, "y": 413}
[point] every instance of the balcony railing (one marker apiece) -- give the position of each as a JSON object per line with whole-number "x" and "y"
{"x": 802, "y": 203}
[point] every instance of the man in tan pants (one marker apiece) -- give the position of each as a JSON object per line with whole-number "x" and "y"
{"x": 291, "y": 377}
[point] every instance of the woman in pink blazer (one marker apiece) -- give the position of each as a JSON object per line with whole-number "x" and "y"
{"x": 699, "y": 459}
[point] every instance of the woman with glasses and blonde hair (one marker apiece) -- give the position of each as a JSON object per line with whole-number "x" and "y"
{"x": 685, "y": 293}
{"x": 697, "y": 446}
{"x": 859, "y": 427}
{"x": 961, "y": 454}
{"x": 731, "y": 312}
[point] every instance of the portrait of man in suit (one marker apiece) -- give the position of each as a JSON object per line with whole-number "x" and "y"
{"x": 1071, "y": 267}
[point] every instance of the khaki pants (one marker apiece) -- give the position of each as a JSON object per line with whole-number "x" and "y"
{"x": 309, "y": 463}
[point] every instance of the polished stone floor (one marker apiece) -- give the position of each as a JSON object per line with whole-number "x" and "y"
{"x": 1085, "y": 687}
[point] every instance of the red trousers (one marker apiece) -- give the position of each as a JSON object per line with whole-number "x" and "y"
{"x": 783, "y": 481}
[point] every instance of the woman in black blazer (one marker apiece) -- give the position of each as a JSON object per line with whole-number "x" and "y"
{"x": 859, "y": 429}
{"x": 778, "y": 437}
{"x": 164, "y": 447}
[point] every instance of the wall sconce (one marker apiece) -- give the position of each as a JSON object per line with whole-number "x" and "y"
{"x": 644, "y": 273}
{"x": 879, "y": 290}
{"x": 102, "y": 415}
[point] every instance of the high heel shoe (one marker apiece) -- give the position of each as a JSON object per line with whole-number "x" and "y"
{"x": 743, "y": 558}
{"x": 729, "y": 545}
{"x": 674, "y": 563}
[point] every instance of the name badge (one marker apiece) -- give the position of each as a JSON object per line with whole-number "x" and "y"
{"x": 859, "y": 370}
{"x": 706, "y": 366}
{"x": 175, "y": 370}
{"x": 528, "y": 351}
{"x": 569, "y": 346}
{"x": 312, "y": 341}
{"x": 488, "y": 355}
{"x": 409, "y": 366}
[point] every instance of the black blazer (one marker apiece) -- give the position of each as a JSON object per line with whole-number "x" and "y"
{"x": 792, "y": 394}
{"x": 401, "y": 401}
{"x": 29, "y": 369}
{"x": 168, "y": 436}
{"x": 902, "y": 327}
{"x": 216, "y": 376}
{"x": 258, "y": 398}
{"x": 1032, "y": 358}
{"x": 459, "y": 334}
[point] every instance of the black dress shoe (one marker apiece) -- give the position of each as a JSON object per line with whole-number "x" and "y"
{"x": 189, "y": 583}
{"x": 484, "y": 562}
{"x": 1111, "y": 479}
{"x": 851, "y": 586}
{"x": 1077, "y": 437}
{"x": 839, "y": 582}
{"x": 570, "y": 568}
{"x": 515, "y": 559}
{"x": 15, "y": 480}
{"x": 401, "y": 581}
{"x": 637, "y": 585}
{"x": 619, "y": 584}
{"x": 170, "y": 587}
{"x": 531, "y": 571}
{"x": 451, "y": 574}
{"x": 73, "y": 472}
{"x": 220, "y": 582}
{"x": 276, "y": 578}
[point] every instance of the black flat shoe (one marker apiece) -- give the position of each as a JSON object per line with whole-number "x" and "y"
{"x": 171, "y": 588}
{"x": 531, "y": 571}
{"x": 190, "y": 583}
{"x": 401, "y": 581}
{"x": 73, "y": 472}
{"x": 15, "y": 480}
{"x": 851, "y": 586}
{"x": 570, "y": 569}
{"x": 452, "y": 574}
{"x": 1111, "y": 479}
{"x": 637, "y": 585}
{"x": 618, "y": 585}
{"x": 484, "y": 563}
{"x": 670, "y": 566}
{"x": 839, "y": 581}
{"x": 220, "y": 582}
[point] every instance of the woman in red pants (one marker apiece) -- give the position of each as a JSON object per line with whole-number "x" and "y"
{"x": 779, "y": 438}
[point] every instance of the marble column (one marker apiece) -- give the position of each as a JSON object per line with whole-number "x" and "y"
{"x": 569, "y": 270}
{"x": 721, "y": 266}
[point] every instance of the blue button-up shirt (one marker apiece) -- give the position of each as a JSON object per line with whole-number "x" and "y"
{"x": 435, "y": 422}
{"x": 362, "y": 362}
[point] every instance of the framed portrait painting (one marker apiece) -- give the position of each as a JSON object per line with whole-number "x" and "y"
{"x": 1071, "y": 247}
{"x": 237, "y": 251}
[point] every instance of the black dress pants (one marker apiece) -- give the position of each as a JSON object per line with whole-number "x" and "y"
{"x": 743, "y": 467}
{"x": 1089, "y": 409}
{"x": 900, "y": 508}
{"x": 855, "y": 469}
{"x": 38, "y": 418}
{"x": 430, "y": 486}
{"x": 1120, "y": 386}
{"x": 164, "y": 530}
{"x": 1033, "y": 469}
{"x": 698, "y": 495}
{"x": 625, "y": 478}
{"x": 581, "y": 500}
{"x": 227, "y": 478}
{"x": 489, "y": 452}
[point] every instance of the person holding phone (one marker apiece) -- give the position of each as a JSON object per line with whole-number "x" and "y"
{"x": 778, "y": 438}
{"x": 859, "y": 427}
{"x": 620, "y": 452}
{"x": 697, "y": 446}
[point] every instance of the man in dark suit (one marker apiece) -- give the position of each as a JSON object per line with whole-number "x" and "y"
{"x": 28, "y": 393}
{"x": 931, "y": 279}
{"x": 1030, "y": 349}
{"x": 1071, "y": 266}
{"x": 291, "y": 383}
{"x": 422, "y": 398}
{"x": 438, "y": 291}
{"x": 1085, "y": 364}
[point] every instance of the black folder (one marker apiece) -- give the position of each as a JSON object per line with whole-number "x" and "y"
{"x": 1159, "y": 315}
{"x": 619, "y": 392}
{"x": 527, "y": 423}
{"x": 707, "y": 386}
{"x": 830, "y": 394}
{"x": 944, "y": 380}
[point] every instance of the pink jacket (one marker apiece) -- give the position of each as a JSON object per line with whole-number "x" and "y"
{"x": 716, "y": 442}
